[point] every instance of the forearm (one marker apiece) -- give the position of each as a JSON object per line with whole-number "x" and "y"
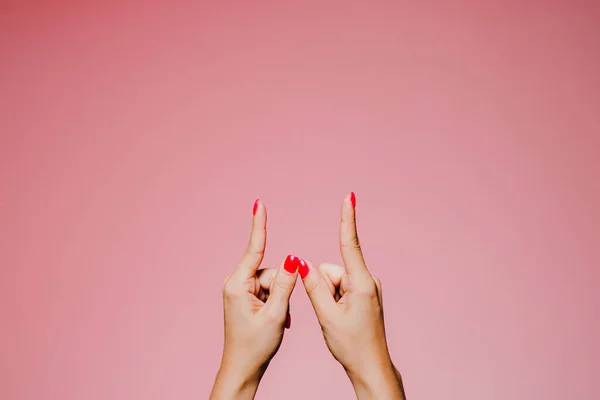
{"x": 381, "y": 381}
{"x": 235, "y": 385}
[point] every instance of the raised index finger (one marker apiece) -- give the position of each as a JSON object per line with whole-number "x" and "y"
{"x": 255, "y": 250}
{"x": 349, "y": 244}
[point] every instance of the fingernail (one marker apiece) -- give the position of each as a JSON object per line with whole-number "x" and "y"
{"x": 288, "y": 321}
{"x": 255, "y": 206}
{"x": 353, "y": 199}
{"x": 291, "y": 264}
{"x": 303, "y": 269}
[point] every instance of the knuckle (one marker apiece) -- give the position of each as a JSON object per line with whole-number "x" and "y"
{"x": 224, "y": 284}
{"x": 310, "y": 290}
{"x": 368, "y": 289}
{"x": 230, "y": 290}
{"x": 377, "y": 282}
{"x": 326, "y": 320}
{"x": 254, "y": 249}
{"x": 352, "y": 244}
{"x": 284, "y": 284}
{"x": 271, "y": 316}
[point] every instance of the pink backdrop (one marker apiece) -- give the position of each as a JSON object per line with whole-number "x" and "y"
{"x": 134, "y": 140}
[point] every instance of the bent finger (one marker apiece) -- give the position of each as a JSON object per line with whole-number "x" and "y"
{"x": 265, "y": 277}
{"x": 333, "y": 275}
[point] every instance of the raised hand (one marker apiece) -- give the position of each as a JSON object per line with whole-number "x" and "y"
{"x": 348, "y": 304}
{"x": 256, "y": 305}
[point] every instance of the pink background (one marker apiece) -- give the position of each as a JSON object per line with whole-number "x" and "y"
{"x": 135, "y": 138}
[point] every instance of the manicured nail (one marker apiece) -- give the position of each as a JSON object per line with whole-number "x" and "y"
{"x": 291, "y": 264}
{"x": 353, "y": 199}
{"x": 255, "y": 206}
{"x": 303, "y": 269}
{"x": 288, "y": 321}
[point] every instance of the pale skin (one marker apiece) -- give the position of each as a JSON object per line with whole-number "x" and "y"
{"x": 347, "y": 301}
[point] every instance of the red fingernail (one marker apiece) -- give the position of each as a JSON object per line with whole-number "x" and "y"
{"x": 353, "y": 199}
{"x": 303, "y": 269}
{"x": 288, "y": 321}
{"x": 291, "y": 264}
{"x": 255, "y": 207}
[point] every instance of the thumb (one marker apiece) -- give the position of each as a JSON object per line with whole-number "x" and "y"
{"x": 318, "y": 290}
{"x": 282, "y": 286}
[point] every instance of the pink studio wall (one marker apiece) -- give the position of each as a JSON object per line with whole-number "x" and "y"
{"x": 135, "y": 138}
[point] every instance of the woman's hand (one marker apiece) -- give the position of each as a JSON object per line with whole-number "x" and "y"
{"x": 256, "y": 305}
{"x": 349, "y": 307}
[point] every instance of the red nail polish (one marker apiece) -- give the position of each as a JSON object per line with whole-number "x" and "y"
{"x": 288, "y": 321}
{"x": 303, "y": 269}
{"x": 291, "y": 264}
{"x": 255, "y": 207}
{"x": 353, "y": 199}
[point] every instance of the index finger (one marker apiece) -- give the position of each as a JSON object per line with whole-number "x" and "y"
{"x": 255, "y": 250}
{"x": 349, "y": 244}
